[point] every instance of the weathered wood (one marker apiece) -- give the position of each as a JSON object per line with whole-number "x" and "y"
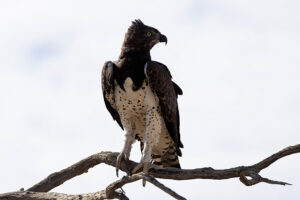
{"x": 28, "y": 195}
{"x": 39, "y": 190}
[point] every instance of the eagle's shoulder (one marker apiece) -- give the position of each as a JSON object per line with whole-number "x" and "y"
{"x": 108, "y": 88}
{"x": 159, "y": 69}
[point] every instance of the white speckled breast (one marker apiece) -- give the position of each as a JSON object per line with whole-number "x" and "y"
{"x": 134, "y": 107}
{"x": 131, "y": 106}
{"x": 130, "y": 101}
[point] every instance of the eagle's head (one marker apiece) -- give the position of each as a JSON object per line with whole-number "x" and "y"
{"x": 142, "y": 37}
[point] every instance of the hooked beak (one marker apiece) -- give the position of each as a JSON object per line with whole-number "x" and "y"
{"x": 163, "y": 38}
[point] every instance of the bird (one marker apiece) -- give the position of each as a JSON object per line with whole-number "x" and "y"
{"x": 142, "y": 98}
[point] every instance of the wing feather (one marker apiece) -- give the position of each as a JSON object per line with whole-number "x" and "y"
{"x": 160, "y": 81}
{"x": 108, "y": 88}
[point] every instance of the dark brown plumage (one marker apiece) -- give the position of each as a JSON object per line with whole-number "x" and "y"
{"x": 159, "y": 78}
{"x": 131, "y": 86}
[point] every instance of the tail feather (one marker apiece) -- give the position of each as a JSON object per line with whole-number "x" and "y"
{"x": 169, "y": 159}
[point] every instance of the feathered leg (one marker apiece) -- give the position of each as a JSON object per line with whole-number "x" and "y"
{"x": 125, "y": 153}
{"x": 153, "y": 131}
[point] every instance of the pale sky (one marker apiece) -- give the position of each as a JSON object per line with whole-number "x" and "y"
{"x": 237, "y": 62}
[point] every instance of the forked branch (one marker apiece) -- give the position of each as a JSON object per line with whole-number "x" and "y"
{"x": 39, "y": 191}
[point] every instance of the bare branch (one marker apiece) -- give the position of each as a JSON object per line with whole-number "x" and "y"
{"x": 119, "y": 183}
{"x": 109, "y": 193}
{"x": 248, "y": 175}
{"x": 256, "y": 178}
{"x": 271, "y": 159}
{"x": 163, "y": 187}
{"x": 28, "y": 195}
{"x": 241, "y": 171}
{"x": 58, "y": 178}
{"x": 128, "y": 179}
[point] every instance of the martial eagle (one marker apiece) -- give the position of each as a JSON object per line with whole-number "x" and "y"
{"x": 141, "y": 97}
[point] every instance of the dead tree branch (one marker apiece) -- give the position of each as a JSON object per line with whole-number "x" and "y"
{"x": 109, "y": 193}
{"x": 39, "y": 191}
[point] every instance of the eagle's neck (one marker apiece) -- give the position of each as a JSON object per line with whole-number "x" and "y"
{"x": 132, "y": 53}
{"x": 131, "y": 64}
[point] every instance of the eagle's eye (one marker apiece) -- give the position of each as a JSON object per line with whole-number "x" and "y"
{"x": 149, "y": 34}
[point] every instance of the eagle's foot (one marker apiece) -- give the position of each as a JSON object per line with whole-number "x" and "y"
{"x": 141, "y": 166}
{"x": 122, "y": 157}
{"x": 144, "y": 167}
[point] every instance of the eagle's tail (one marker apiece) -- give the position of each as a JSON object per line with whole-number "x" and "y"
{"x": 169, "y": 159}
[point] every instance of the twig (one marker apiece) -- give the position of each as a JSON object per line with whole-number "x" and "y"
{"x": 128, "y": 179}
{"x": 163, "y": 187}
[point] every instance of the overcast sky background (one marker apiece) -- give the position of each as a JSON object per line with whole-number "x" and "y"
{"x": 237, "y": 62}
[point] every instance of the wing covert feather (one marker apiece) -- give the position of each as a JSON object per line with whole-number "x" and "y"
{"x": 108, "y": 87}
{"x": 160, "y": 81}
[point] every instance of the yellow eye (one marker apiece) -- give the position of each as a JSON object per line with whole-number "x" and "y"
{"x": 149, "y": 34}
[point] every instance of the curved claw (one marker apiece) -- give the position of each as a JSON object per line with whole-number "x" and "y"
{"x": 118, "y": 164}
{"x": 138, "y": 168}
{"x": 120, "y": 158}
{"x": 145, "y": 166}
{"x": 146, "y": 169}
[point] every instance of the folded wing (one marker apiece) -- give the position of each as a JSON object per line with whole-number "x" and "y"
{"x": 108, "y": 89}
{"x": 160, "y": 81}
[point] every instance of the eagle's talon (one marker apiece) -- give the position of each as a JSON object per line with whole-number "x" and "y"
{"x": 146, "y": 167}
{"x": 121, "y": 157}
{"x": 138, "y": 168}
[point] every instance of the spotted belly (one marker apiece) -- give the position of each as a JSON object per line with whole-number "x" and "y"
{"x": 131, "y": 106}
{"x": 136, "y": 112}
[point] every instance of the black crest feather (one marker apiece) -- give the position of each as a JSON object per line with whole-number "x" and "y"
{"x": 136, "y": 25}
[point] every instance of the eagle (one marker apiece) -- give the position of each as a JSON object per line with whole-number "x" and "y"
{"x": 142, "y": 98}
